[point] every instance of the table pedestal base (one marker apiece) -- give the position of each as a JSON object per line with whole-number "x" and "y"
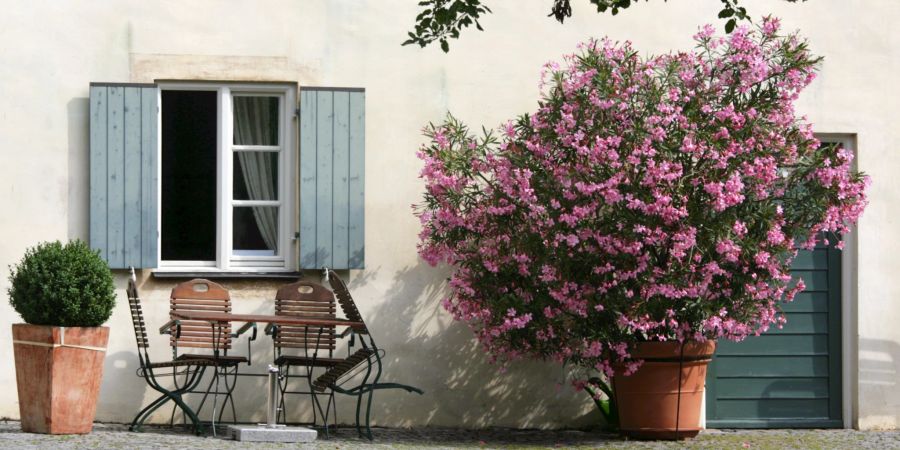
{"x": 260, "y": 433}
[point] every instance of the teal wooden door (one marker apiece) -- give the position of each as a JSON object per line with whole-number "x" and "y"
{"x": 787, "y": 378}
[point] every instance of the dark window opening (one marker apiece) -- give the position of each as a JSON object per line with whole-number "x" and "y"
{"x": 188, "y": 176}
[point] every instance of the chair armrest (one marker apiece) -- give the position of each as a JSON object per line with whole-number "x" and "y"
{"x": 167, "y": 328}
{"x": 347, "y": 331}
{"x": 271, "y": 329}
{"x": 244, "y": 329}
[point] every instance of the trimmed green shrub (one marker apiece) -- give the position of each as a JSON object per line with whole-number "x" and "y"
{"x": 62, "y": 285}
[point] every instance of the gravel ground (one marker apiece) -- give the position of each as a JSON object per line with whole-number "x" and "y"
{"x": 115, "y": 436}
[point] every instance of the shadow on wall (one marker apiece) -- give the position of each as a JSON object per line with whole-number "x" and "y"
{"x": 78, "y": 206}
{"x": 879, "y": 369}
{"x": 426, "y": 348}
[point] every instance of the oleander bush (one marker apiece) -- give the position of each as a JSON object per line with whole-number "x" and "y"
{"x": 62, "y": 285}
{"x": 648, "y": 198}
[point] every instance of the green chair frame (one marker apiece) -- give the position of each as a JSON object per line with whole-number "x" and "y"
{"x": 366, "y": 360}
{"x": 192, "y": 369}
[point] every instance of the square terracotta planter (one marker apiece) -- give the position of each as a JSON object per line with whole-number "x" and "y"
{"x": 58, "y": 374}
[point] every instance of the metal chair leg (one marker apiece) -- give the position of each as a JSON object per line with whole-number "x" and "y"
{"x": 208, "y": 389}
{"x": 147, "y": 410}
{"x": 229, "y": 398}
{"x": 318, "y": 405}
{"x": 358, "y": 406}
{"x": 368, "y": 414}
{"x": 284, "y": 375}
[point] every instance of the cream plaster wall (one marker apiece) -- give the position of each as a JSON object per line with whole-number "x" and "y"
{"x": 51, "y": 50}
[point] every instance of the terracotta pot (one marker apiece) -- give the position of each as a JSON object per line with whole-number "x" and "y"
{"x": 652, "y": 404}
{"x": 58, "y": 373}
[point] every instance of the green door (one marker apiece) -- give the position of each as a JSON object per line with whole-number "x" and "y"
{"x": 787, "y": 378}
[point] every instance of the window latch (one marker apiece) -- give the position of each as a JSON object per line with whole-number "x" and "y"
{"x": 296, "y": 236}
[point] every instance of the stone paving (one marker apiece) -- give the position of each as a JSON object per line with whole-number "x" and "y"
{"x": 115, "y": 436}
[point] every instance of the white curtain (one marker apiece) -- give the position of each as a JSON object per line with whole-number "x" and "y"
{"x": 255, "y": 124}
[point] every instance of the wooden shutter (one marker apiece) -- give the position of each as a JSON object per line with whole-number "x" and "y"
{"x": 332, "y": 181}
{"x": 790, "y": 377}
{"x": 124, "y": 154}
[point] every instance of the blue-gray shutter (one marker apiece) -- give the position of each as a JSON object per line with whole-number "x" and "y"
{"x": 124, "y": 154}
{"x": 332, "y": 178}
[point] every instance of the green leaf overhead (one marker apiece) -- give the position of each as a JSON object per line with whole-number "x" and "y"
{"x": 440, "y": 20}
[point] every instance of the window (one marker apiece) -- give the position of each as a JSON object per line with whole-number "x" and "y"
{"x": 225, "y": 177}
{"x": 221, "y": 177}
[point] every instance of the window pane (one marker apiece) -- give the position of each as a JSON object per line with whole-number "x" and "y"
{"x": 255, "y": 176}
{"x": 188, "y": 176}
{"x": 255, "y": 120}
{"x": 255, "y": 230}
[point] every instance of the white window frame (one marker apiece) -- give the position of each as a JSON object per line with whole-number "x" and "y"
{"x": 226, "y": 261}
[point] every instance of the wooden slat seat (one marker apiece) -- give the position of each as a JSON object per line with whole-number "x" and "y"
{"x": 345, "y": 365}
{"x": 181, "y": 363}
{"x": 220, "y": 360}
{"x": 306, "y": 361}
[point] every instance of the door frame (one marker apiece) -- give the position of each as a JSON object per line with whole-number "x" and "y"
{"x": 849, "y": 283}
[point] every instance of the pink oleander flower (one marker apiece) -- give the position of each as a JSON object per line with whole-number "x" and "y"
{"x": 644, "y": 199}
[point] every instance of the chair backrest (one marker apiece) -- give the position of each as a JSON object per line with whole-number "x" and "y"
{"x": 137, "y": 315}
{"x": 305, "y": 299}
{"x": 351, "y": 312}
{"x": 200, "y": 295}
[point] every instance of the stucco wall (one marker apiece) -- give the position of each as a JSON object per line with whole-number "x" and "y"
{"x": 50, "y": 51}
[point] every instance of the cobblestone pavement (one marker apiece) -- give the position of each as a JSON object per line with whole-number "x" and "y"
{"x": 114, "y": 436}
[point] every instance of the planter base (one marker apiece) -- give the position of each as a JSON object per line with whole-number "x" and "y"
{"x": 58, "y": 373}
{"x": 662, "y": 400}
{"x": 649, "y": 434}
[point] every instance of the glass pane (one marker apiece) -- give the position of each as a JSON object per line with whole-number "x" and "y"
{"x": 255, "y": 120}
{"x": 255, "y": 176}
{"x": 188, "y": 176}
{"x": 255, "y": 230}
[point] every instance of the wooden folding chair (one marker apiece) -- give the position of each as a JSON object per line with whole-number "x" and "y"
{"x": 204, "y": 295}
{"x": 154, "y": 372}
{"x": 366, "y": 360}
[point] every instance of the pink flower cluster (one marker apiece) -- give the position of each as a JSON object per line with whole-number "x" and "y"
{"x": 645, "y": 199}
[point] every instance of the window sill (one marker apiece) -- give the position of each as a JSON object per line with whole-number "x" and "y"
{"x": 212, "y": 275}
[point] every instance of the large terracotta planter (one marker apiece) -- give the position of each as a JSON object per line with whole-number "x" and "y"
{"x": 652, "y": 404}
{"x": 58, "y": 373}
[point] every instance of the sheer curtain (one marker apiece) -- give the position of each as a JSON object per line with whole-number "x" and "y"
{"x": 254, "y": 124}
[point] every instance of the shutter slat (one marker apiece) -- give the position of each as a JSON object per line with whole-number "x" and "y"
{"x": 149, "y": 177}
{"x": 132, "y": 177}
{"x": 341, "y": 164}
{"x": 124, "y": 153}
{"x": 115, "y": 159}
{"x": 98, "y": 169}
{"x": 308, "y": 179}
{"x": 324, "y": 176}
{"x": 357, "y": 182}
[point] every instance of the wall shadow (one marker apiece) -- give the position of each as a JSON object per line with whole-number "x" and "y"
{"x": 79, "y": 162}
{"x": 879, "y": 369}
{"x": 425, "y": 348}
{"x": 428, "y": 349}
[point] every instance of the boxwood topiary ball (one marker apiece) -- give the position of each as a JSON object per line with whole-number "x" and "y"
{"x": 62, "y": 285}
